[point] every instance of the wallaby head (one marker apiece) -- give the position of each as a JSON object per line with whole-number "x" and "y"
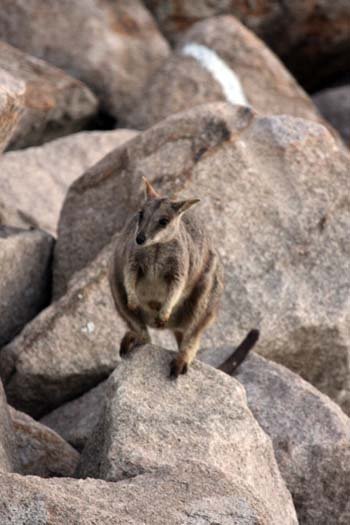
{"x": 159, "y": 217}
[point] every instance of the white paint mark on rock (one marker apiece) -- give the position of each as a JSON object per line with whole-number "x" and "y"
{"x": 89, "y": 328}
{"x": 223, "y": 74}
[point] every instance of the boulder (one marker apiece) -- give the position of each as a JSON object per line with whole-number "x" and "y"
{"x": 189, "y": 495}
{"x": 12, "y": 94}
{"x": 201, "y": 419}
{"x": 334, "y": 105}
{"x": 220, "y": 59}
{"x": 76, "y": 420}
{"x": 36, "y": 180}
{"x": 313, "y": 38}
{"x": 280, "y": 221}
{"x": 14, "y": 217}
{"x": 25, "y": 284}
{"x": 67, "y": 349}
{"x": 40, "y": 450}
{"x": 113, "y": 47}
{"x": 8, "y": 451}
{"x": 310, "y": 436}
{"x": 55, "y": 104}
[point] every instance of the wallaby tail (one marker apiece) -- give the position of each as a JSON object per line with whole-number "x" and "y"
{"x": 241, "y": 352}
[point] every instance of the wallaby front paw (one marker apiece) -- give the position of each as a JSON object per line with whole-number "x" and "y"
{"x": 162, "y": 319}
{"x": 177, "y": 366}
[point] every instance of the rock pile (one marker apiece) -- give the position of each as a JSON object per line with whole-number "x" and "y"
{"x": 87, "y": 437}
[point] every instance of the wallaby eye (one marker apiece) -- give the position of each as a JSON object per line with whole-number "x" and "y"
{"x": 163, "y": 221}
{"x": 140, "y": 215}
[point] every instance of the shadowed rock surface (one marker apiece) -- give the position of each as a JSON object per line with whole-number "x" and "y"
{"x": 40, "y": 451}
{"x": 8, "y": 451}
{"x": 334, "y": 105}
{"x": 25, "y": 284}
{"x": 310, "y": 436}
{"x": 35, "y": 180}
{"x": 200, "y": 418}
{"x": 114, "y": 47}
{"x": 280, "y": 221}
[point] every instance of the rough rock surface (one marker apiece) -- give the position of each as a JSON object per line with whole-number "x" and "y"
{"x": 76, "y": 420}
{"x": 11, "y": 105}
{"x": 8, "y": 451}
{"x": 281, "y": 220}
{"x": 36, "y": 180}
{"x": 41, "y": 452}
{"x": 114, "y": 47}
{"x": 55, "y": 104}
{"x": 220, "y": 59}
{"x": 190, "y": 495}
{"x": 310, "y": 436}
{"x": 15, "y": 217}
{"x": 202, "y": 418}
{"x": 313, "y": 38}
{"x": 25, "y": 284}
{"x": 334, "y": 105}
{"x": 67, "y": 349}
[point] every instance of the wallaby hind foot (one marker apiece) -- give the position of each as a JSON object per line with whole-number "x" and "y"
{"x": 131, "y": 340}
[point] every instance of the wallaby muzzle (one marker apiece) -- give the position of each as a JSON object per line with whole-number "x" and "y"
{"x": 141, "y": 238}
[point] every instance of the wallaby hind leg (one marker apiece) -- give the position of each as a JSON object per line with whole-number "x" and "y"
{"x": 187, "y": 352}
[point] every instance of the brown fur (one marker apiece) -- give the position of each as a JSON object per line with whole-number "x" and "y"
{"x": 173, "y": 279}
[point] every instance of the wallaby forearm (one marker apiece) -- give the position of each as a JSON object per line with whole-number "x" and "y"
{"x": 174, "y": 294}
{"x": 130, "y": 280}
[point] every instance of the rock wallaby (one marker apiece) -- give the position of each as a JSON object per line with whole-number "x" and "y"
{"x": 165, "y": 273}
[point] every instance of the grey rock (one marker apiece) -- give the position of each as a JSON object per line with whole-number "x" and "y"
{"x": 25, "y": 283}
{"x": 310, "y": 436}
{"x": 221, "y": 60}
{"x": 151, "y": 424}
{"x": 76, "y": 420}
{"x": 334, "y": 105}
{"x": 8, "y": 451}
{"x": 35, "y": 180}
{"x": 67, "y": 349}
{"x": 55, "y": 104}
{"x": 113, "y": 47}
{"x": 280, "y": 220}
{"x": 191, "y": 494}
{"x": 40, "y": 451}
{"x": 12, "y": 94}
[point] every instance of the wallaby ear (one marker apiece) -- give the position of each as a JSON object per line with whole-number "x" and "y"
{"x": 150, "y": 191}
{"x": 182, "y": 206}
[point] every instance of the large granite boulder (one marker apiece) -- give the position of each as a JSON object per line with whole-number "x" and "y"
{"x": 220, "y": 59}
{"x": 40, "y": 451}
{"x": 35, "y": 180}
{"x": 55, "y": 104}
{"x": 67, "y": 349}
{"x": 313, "y": 38}
{"x": 274, "y": 194}
{"x": 310, "y": 436}
{"x": 8, "y": 450}
{"x": 114, "y": 47}
{"x": 334, "y": 105}
{"x": 12, "y": 93}
{"x": 25, "y": 282}
{"x": 190, "y": 495}
{"x": 151, "y": 424}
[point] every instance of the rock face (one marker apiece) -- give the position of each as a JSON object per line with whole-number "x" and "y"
{"x": 311, "y": 439}
{"x": 191, "y": 495}
{"x": 25, "y": 283}
{"x": 334, "y": 105}
{"x": 312, "y": 38}
{"x": 54, "y": 103}
{"x": 76, "y": 420}
{"x": 11, "y": 105}
{"x": 8, "y": 451}
{"x": 35, "y": 180}
{"x": 40, "y": 450}
{"x": 281, "y": 221}
{"x": 114, "y": 47}
{"x": 219, "y": 59}
{"x": 201, "y": 420}
{"x": 69, "y": 348}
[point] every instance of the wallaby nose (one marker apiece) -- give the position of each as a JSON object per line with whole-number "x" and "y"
{"x": 141, "y": 238}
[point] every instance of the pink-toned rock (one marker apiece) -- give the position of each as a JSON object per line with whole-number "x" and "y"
{"x": 12, "y": 94}
{"x": 113, "y": 47}
{"x": 221, "y": 60}
{"x": 55, "y": 104}
{"x": 40, "y": 451}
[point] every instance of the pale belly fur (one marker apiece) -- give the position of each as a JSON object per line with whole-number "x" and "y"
{"x": 151, "y": 293}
